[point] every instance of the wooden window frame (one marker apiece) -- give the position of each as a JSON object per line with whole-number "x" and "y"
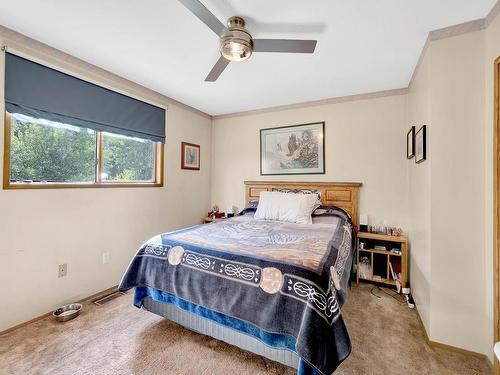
{"x": 7, "y": 184}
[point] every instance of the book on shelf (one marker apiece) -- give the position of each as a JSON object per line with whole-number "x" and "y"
{"x": 396, "y": 277}
{"x": 393, "y": 274}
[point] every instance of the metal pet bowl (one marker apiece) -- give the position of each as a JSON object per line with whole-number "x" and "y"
{"x": 68, "y": 312}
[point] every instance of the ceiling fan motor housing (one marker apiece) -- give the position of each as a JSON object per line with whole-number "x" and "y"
{"x": 236, "y": 21}
{"x": 237, "y": 46}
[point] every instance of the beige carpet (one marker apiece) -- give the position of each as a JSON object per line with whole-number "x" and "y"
{"x": 117, "y": 338}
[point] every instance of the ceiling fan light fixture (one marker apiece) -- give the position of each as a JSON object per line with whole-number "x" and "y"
{"x": 236, "y": 45}
{"x": 235, "y": 49}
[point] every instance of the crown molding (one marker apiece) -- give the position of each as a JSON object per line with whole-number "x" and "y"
{"x": 447, "y": 32}
{"x": 492, "y": 14}
{"x": 456, "y": 30}
{"x": 36, "y": 47}
{"x": 315, "y": 103}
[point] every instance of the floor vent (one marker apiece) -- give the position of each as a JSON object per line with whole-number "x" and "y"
{"x": 108, "y": 297}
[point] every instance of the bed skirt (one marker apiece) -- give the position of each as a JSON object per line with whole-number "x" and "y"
{"x": 207, "y": 327}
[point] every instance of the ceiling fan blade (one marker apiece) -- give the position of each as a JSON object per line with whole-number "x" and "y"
{"x": 284, "y": 45}
{"x": 205, "y": 16}
{"x": 218, "y": 68}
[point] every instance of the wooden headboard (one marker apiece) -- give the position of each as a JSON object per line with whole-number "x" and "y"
{"x": 340, "y": 194}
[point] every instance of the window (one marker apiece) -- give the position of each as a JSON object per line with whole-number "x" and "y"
{"x": 43, "y": 154}
{"x": 127, "y": 159}
{"x": 64, "y": 131}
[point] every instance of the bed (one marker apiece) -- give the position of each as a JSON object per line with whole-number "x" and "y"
{"x": 270, "y": 287}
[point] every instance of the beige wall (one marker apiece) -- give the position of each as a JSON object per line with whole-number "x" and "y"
{"x": 457, "y": 192}
{"x": 450, "y": 229}
{"x": 364, "y": 143}
{"x": 40, "y": 229}
{"x": 419, "y": 113}
{"x": 453, "y": 94}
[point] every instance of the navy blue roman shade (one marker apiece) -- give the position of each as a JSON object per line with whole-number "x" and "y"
{"x": 41, "y": 92}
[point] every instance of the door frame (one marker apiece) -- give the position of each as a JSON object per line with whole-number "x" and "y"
{"x": 496, "y": 209}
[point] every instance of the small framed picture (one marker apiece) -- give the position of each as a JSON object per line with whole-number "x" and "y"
{"x": 190, "y": 158}
{"x": 410, "y": 143}
{"x": 420, "y": 145}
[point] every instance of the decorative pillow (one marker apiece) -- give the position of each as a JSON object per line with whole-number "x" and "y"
{"x": 331, "y": 211}
{"x": 294, "y": 208}
{"x": 250, "y": 209}
{"x": 299, "y": 191}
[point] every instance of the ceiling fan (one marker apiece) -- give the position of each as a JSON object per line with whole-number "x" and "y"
{"x": 236, "y": 43}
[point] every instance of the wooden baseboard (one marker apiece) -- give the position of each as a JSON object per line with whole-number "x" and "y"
{"x": 95, "y": 295}
{"x": 422, "y": 325}
{"x": 439, "y": 345}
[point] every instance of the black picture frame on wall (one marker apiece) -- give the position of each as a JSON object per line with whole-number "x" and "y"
{"x": 420, "y": 145}
{"x": 293, "y": 150}
{"x": 410, "y": 143}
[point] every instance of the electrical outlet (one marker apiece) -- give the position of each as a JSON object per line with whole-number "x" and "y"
{"x": 105, "y": 257}
{"x": 63, "y": 270}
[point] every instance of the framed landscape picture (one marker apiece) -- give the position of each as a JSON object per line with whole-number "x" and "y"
{"x": 410, "y": 143}
{"x": 190, "y": 158}
{"x": 420, "y": 146}
{"x": 296, "y": 149}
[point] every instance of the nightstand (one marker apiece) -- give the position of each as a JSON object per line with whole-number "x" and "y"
{"x": 379, "y": 264}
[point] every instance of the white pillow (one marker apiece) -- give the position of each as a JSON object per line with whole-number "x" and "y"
{"x": 295, "y": 208}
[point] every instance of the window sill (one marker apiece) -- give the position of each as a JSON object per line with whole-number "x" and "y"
{"x": 52, "y": 185}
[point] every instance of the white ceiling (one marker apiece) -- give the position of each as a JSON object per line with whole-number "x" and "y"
{"x": 363, "y": 45}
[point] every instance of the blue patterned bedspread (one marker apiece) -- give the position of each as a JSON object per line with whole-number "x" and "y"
{"x": 283, "y": 283}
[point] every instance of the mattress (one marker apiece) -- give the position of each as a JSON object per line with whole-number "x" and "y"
{"x": 220, "y": 332}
